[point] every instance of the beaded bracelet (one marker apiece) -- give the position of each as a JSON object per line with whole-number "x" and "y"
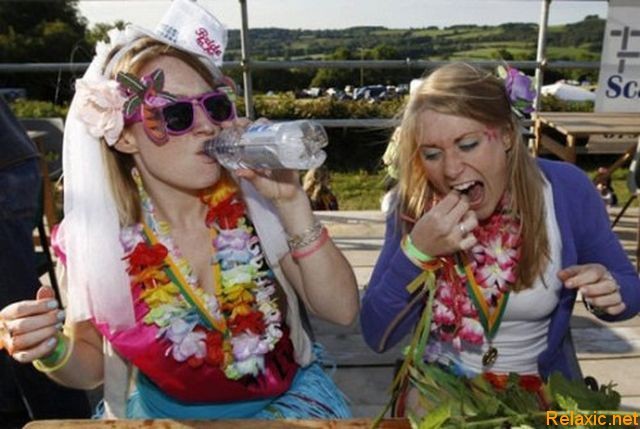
{"x": 307, "y": 236}
{"x": 304, "y": 252}
{"x": 58, "y": 358}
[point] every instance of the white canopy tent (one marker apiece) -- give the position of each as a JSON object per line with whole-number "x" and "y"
{"x": 567, "y": 92}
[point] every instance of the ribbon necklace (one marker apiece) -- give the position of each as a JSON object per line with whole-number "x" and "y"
{"x": 491, "y": 319}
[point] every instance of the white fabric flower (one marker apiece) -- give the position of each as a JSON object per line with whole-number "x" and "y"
{"x": 101, "y": 108}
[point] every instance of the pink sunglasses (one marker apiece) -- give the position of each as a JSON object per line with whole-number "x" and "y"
{"x": 179, "y": 115}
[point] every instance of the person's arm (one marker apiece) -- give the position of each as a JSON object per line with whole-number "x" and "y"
{"x": 85, "y": 368}
{"x": 603, "y": 272}
{"x": 386, "y": 295}
{"x": 319, "y": 271}
{"x": 33, "y": 333}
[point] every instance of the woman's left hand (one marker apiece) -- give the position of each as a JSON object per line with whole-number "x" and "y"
{"x": 598, "y": 287}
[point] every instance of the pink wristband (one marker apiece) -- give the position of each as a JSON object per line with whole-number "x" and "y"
{"x": 313, "y": 247}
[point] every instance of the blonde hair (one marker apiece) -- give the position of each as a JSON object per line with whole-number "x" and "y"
{"x": 463, "y": 90}
{"x": 119, "y": 164}
{"x": 315, "y": 180}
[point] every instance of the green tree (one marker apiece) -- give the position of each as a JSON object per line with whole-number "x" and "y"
{"x": 99, "y": 31}
{"x": 502, "y": 54}
{"x": 50, "y": 31}
{"x": 338, "y": 78}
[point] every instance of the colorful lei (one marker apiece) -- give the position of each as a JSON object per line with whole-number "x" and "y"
{"x": 232, "y": 329}
{"x": 493, "y": 262}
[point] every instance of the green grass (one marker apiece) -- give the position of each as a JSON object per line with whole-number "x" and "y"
{"x": 618, "y": 181}
{"x": 358, "y": 190}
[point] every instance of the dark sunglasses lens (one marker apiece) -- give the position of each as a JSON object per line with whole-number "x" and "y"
{"x": 219, "y": 107}
{"x": 178, "y": 116}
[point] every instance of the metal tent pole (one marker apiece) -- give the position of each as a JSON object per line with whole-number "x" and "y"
{"x": 245, "y": 62}
{"x": 541, "y": 59}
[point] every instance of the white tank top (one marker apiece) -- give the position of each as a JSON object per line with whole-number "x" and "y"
{"x": 522, "y": 336}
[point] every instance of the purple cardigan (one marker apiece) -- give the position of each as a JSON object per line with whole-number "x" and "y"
{"x": 585, "y": 239}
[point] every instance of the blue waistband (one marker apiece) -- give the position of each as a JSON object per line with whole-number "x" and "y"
{"x": 150, "y": 402}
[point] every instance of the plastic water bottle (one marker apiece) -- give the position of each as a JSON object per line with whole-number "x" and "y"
{"x": 294, "y": 145}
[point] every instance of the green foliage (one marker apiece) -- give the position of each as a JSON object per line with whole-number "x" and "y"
{"x": 286, "y": 106}
{"x": 41, "y": 32}
{"x": 510, "y": 41}
{"x": 358, "y": 190}
{"x": 99, "y": 31}
{"x": 553, "y": 104}
{"x": 449, "y": 401}
{"x": 37, "y": 109}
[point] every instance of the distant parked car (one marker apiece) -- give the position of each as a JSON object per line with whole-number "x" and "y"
{"x": 402, "y": 89}
{"x": 370, "y": 92}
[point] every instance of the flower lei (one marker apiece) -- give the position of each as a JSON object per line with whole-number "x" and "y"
{"x": 493, "y": 262}
{"x": 246, "y": 318}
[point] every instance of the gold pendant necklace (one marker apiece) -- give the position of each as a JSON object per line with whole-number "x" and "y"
{"x": 490, "y": 356}
{"x": 490, "y": 319}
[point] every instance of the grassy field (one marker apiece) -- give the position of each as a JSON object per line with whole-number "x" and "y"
{"x": 363, "y": 191}
{"x": 358, "y": 190}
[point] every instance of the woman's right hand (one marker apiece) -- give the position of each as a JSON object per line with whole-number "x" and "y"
{"x": 28, "y": 329}
{"x": 446, "y": 228}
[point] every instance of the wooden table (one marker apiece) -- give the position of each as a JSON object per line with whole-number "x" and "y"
{"x": 574, "y": 125}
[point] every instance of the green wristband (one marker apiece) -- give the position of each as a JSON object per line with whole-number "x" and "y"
{"x": 57, "y": 354}
{"x": 413, "y": 252}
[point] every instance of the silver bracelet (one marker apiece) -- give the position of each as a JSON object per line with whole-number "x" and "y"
{"x": 306, "y": 237}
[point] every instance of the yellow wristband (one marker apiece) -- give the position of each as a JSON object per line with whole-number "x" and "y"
{"x": 413, "y": 252}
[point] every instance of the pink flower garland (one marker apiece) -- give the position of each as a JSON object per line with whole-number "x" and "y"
{"x": 493, "y": 261}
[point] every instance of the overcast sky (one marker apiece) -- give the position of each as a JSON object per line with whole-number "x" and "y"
{"x": 335, "y": 14}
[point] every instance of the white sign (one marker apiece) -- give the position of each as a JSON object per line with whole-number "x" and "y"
{"x": 619, "y": 82}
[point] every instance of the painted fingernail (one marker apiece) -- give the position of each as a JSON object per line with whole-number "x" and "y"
{"x": 52, "y": 304}
{"x": 52, "y": 341}
{"x": 60, "y": 315}
{"x": 59, "y": 326}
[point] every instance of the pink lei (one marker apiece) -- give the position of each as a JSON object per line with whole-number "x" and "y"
{"x": 493, "y": 262}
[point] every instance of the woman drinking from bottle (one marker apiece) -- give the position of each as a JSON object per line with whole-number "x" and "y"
{"x": 186, "y": 283}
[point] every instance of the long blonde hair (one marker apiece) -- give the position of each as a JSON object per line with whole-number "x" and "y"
{"x": 119, "y": 164}
{"x": 461, "y": 89}
{"x": 315, "y": 181}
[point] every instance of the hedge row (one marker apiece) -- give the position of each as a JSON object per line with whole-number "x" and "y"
{"x": 349, "y": 149}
